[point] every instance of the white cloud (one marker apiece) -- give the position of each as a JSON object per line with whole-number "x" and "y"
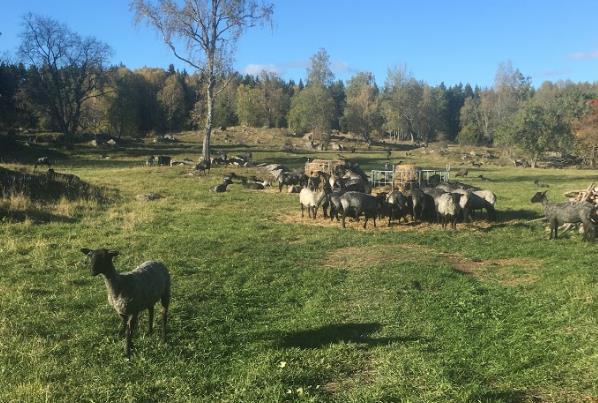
{"x": 591, "y": 55}
{"x": 255, "y": 69}
{"x": 555, "y": 72}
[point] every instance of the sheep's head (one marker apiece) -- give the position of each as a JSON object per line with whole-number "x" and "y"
{"x": 100, "y": 260}
{"x": 539, "y": 197}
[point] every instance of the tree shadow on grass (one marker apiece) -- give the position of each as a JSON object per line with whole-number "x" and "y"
{"x": 37, "y": 217}
{"x": 522, "y": 214}
{"x": 359, "y": 333}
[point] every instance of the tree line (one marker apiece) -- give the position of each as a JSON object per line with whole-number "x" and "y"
{"x": 63, "y": 82}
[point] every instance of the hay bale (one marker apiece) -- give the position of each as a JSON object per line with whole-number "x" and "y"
{"x": 404, "y": 175}
{"x": 326, "y": 166}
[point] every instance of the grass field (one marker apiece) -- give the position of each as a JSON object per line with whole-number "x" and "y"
{"x": 269, "y": 307}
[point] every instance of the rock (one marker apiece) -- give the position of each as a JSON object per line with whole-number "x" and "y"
{"x": 148, "y": 196}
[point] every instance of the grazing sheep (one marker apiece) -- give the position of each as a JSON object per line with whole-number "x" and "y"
{"x": 396, "y": 206}
{"x": 415, "y": 202}
{"x": 487, "y": 195}
{"x": 482, "y": 177}
{"x": 42, "y": 161}
{"x": 448, "y": 209}
{"x": 568, "y": 213}
{"x": 462, "y": 172}
{"x": 202, "y": 166}
{"x": 133, "y": 292}
{"x": 357, "y": 203}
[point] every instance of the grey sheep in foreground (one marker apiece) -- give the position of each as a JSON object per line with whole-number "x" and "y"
{"x": 133, "y": 292}
{"x": 568, "y": 213}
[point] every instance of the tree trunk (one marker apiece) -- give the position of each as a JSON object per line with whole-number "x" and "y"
{"x": 210, "y": 106}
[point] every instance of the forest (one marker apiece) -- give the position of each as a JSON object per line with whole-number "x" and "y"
{"x": 69, "y": 87}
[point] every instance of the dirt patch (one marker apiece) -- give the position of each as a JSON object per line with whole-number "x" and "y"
{"x": 502, "y": 270}
{"x": 294, "y": 217}
{"x": 362, "y": 257}
{"x": 357, "y": 378}
{"x": 508, "y": 271}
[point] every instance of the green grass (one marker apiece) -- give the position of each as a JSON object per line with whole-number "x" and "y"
{"x": 265, "y": 310}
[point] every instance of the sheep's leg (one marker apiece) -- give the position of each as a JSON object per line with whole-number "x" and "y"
{"x": 314, "y": 210}
{"x": 301, "y": 210}
{"x": 344, "y": 215}
{"x": 150, "y": 319}
{"x": 374, "y": 221}
{"x": 131, "y": 324}
{"x": 123, "y": 325}
{"x": 165, "y": 302}
{"x": 365, "y": 223}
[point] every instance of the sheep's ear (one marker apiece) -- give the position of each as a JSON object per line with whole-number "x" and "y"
{"x": 544, "y": 192}
{"x": 113, "y": 253}
{"x": 86, "y": 251}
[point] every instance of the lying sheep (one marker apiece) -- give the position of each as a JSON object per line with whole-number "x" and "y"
{"x": 568, "y": 213}
{"x": 221, "y": 187}
{"x": 356, "y": 203}
{"x": 133, "y": 292}
{"x": 448, "y": 209}
{"x": 42, "y": 161}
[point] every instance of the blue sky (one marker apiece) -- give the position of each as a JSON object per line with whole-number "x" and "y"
{"x": 451, "y": 41}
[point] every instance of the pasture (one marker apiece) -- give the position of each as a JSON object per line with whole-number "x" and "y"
{"x": 270, "y": 307}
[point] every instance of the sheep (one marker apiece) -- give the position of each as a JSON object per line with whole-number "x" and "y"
{"x": 311, "y": 199}
{"x": 291, "y": 178}
{"x": 335, "y": 203}
{"x": 133, "y": 292}
{"x": 396, "y": 206}
{"x": 357, "y": 203}
{"x": 221, "y": 187}
{"x": 462, "y": 172}
{"x": 203, "y": 166}
{"x": 254, "y": 185}
{"x": 486, "y": 195}
{"x": 448, "y": 208}
{"x": 42, "y": 161}
{"x": 415, "y": 202}
{"x": 164, "y": 160}
{"x": 150, "y": 161}
{"x": 568, "y": 213}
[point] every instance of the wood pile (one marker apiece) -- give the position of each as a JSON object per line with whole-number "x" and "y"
{"x": 590, "y": 194}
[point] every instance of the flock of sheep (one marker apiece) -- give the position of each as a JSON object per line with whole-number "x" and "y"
{"x": 345, "y": 192}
